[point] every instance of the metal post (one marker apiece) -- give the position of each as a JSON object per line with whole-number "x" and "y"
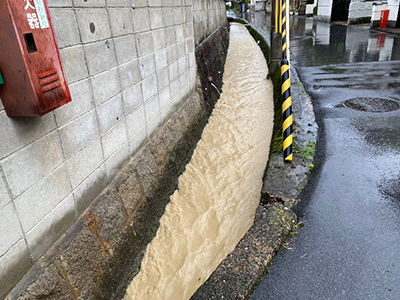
{"x": 278, "y": 6}
{"x": 273, "y": 18}
{"x": 276, "y": 37}
{"x": 283, "y": 28}
{"x": 276, "y": 52}
{"x": 287, "y": 114}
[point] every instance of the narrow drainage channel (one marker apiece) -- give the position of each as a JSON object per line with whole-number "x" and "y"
{"x": 220, "y": 189}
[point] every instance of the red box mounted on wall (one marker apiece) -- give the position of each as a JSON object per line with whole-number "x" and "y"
{"x": 384, "y": 18}
{"x": 30, "y": 61}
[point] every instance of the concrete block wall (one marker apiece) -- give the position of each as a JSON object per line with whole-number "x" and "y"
{"x": 128, "y": 70}
{"x": 207, "y": 16}
{"x": 102, "y": 251}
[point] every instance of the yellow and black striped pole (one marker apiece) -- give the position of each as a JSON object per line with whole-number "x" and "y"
{"x": 287, "y": 114}
{"x": 283, "y": 28}
{"x": 277, "y": 16}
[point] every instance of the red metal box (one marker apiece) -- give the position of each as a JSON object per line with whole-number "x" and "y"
{"x": 30, "y": 61}
{"x": 384, "y": 18}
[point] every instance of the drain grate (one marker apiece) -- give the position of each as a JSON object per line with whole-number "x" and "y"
{"x": 371, "y": 104}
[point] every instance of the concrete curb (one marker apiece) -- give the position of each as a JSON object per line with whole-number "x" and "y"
{"x": 239, "y": 274}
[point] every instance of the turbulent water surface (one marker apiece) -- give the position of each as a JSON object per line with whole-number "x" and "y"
{"x": 220, "y": 188}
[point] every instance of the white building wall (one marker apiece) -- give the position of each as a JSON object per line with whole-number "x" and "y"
{"x": 393, "y": 6}
{"x": 310, "y": 8}
{"x": 376, "y": 14}
{"x": 359, "y": 12}
{"x": 324, "y": 10}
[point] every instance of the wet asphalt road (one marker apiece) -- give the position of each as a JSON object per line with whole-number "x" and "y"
{"x": 349, "y": 247}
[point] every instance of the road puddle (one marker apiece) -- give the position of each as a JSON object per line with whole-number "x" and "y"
{"x": 220, "y": 189}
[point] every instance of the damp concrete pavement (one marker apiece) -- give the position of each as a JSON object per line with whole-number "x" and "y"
{"x": 349, "y": 247}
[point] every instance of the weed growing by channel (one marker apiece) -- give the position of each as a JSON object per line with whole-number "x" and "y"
{"x": 277, "y": 145}
{"x": 293, "y": 233}
{"x": 307, "y": 151}
{"x": 298, "y": 187}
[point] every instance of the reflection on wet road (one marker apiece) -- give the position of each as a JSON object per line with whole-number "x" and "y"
{"x": 349, "y": 247}
{"x": 321, "y": 44}
{"x": 318, "y": 43}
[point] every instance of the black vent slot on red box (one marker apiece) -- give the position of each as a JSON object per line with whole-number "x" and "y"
{"x": 30, "y": 42}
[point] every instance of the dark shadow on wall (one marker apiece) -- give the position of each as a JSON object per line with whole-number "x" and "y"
{"x": 210, "y": 61}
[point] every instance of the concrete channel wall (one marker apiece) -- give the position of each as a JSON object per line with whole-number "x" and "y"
{"x": 98, "y": 171}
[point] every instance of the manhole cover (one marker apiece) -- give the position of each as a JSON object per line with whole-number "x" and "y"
{"x": 372, "y": 104}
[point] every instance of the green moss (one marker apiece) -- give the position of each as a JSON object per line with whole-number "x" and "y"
{"x": 307, "y": 151}
{"x": 237, "y": 20}
{"x": 277, "y": 145}
{"x": 261, "y": 42}
{"x": 277, "y": 140}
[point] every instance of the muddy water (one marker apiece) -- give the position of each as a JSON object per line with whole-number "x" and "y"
{"x": 220, "y": 188}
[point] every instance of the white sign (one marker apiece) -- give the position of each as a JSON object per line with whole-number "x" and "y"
{"x": 29, "y": 5}
{"x": 41, "y": 13}
{"x": 32, "y": 20}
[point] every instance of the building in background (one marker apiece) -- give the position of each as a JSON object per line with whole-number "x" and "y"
{"x": 377, "y": 13}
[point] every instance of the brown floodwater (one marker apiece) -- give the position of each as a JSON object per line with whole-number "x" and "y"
{"x": 219, "y": 191}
